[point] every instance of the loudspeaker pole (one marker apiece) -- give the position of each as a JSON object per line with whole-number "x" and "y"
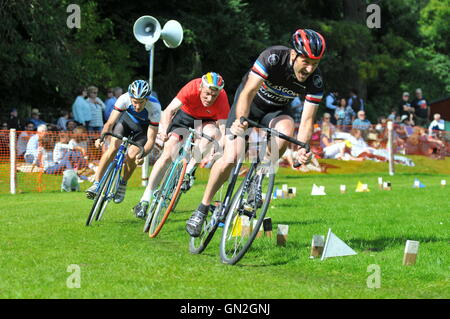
{"x": 151, "y": 54}
{"x": 147, "y": 31}
{"x": 146, "y": 164}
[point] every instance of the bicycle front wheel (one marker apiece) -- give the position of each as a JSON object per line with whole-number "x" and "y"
{"x": 151, "y": 210}
{"x": 246, "y": 214}
{"x": 100, "y": 200}
{"x": 168, "y": 195}
{"x": 111, "y": 189}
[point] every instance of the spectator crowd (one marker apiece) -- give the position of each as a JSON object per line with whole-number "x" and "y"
{"x": 66, "y": 144}
{"x": 343, "y": 132}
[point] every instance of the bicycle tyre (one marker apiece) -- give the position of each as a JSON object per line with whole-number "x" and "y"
{"x": 150, "y": 212}
{"x": 112, "y": 184}
{"x": 100, "y": 197}
{"x": 198, "y": 244}
{"x": 173, "y": 192}
{"x": 232, "y": 256}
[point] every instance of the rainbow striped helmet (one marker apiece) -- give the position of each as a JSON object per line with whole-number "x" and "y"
{"x": 213, "y": 81}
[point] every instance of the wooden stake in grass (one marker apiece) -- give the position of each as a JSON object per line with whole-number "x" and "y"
{"x": 260, "y": 230}
{"x": 317, "y": 244}
{"x": 282, "y": 234}
{"x": 410, "y": 255}
{"x": 292, "y": 191}
{"x": 380, "y": 182}
{"x": 267, "y": 225}
{"x": 285, "y": 190}
{"x": 246, "y": 227}
{"x": 443, "y": 182}
{"x": 343, "y": 189}
{"x": 279, "y": 193}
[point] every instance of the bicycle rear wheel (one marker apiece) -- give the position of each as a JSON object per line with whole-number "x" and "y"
{"x": 100, "y": 198}
{"x": 245, "y": 215}
{"x": 168, "y": 196}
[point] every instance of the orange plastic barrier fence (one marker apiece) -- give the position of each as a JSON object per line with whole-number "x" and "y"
{"x": 42, "y": 169}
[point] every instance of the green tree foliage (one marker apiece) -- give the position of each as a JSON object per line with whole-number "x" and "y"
{"x": 435, "y": 30}
{"x": 43, "y": 61}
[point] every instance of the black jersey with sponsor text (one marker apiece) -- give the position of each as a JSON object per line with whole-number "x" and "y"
{"x": 280, "y": 85}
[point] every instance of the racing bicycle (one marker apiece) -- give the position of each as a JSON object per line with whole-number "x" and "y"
{"x": 246, "y": 204}
{"x": 109, "y": 183}
{"x": 166, "y": 197}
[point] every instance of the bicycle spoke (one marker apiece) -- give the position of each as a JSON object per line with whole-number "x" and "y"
{"x": 171, "y": 185}
{"x": 245, "y": 215}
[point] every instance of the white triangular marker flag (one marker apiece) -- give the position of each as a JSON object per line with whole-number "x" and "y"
{"x": 318, "y": 190}
{"x": 335, "y": 247}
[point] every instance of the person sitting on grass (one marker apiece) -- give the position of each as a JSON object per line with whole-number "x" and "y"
{"x": 45, "y": 155}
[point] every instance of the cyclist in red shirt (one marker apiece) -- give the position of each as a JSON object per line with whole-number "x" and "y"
{"x": 200, "y": 103}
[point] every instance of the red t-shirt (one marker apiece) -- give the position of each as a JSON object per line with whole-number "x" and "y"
{"x": 189, "y": 95}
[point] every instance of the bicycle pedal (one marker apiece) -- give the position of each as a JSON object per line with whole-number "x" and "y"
{"x": 248, "y": 211}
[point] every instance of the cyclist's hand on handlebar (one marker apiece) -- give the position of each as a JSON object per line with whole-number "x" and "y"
{"x": 139, "y": 160}
{"x": 304, "y": 157}
{"x": 163, "y": 136}
{"x": 98, "y": 143}
{"x": 238, "y": 128}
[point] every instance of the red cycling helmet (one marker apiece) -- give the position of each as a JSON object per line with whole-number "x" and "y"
{"x": 309, "y": 43}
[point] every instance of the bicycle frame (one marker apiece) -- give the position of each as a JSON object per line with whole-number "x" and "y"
{"x": 117, "y": 165}
{"x": 183, "y": 153}
{"x": 222, "y": 213}
{"x": 109, "y": 182}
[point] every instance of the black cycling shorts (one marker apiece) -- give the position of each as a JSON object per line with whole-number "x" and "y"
{"x": 259, "y": 114}
{"x": 181, "y": 120}
{"x": 125, "y": 126}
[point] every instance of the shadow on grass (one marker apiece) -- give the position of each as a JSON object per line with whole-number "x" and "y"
{"x": 298, "y": 222}
{"x": 380, "y": 244}
{"x": 271, "y": 255}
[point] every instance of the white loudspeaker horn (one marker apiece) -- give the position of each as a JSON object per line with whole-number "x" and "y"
{"x": 172, "y": 34}
{"x": 147, "y": 30}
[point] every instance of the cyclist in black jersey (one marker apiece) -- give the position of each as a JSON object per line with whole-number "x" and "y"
{"x": 279, "y": 75}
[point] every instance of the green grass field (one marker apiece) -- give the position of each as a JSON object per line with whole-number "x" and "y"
{"x": 42, "y": 234}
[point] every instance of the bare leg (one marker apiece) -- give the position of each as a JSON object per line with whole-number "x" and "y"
{"x": 283, "y": 124}
{"x": 222, "y": 168}
{"x": 130, "y": 162}
{"x": 170, "y": 149}
{"x": 204, "y": 145}
{"x": 107, "y": 158}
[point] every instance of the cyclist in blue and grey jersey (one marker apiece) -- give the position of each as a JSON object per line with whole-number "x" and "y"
{"x": 135, "y": 112}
